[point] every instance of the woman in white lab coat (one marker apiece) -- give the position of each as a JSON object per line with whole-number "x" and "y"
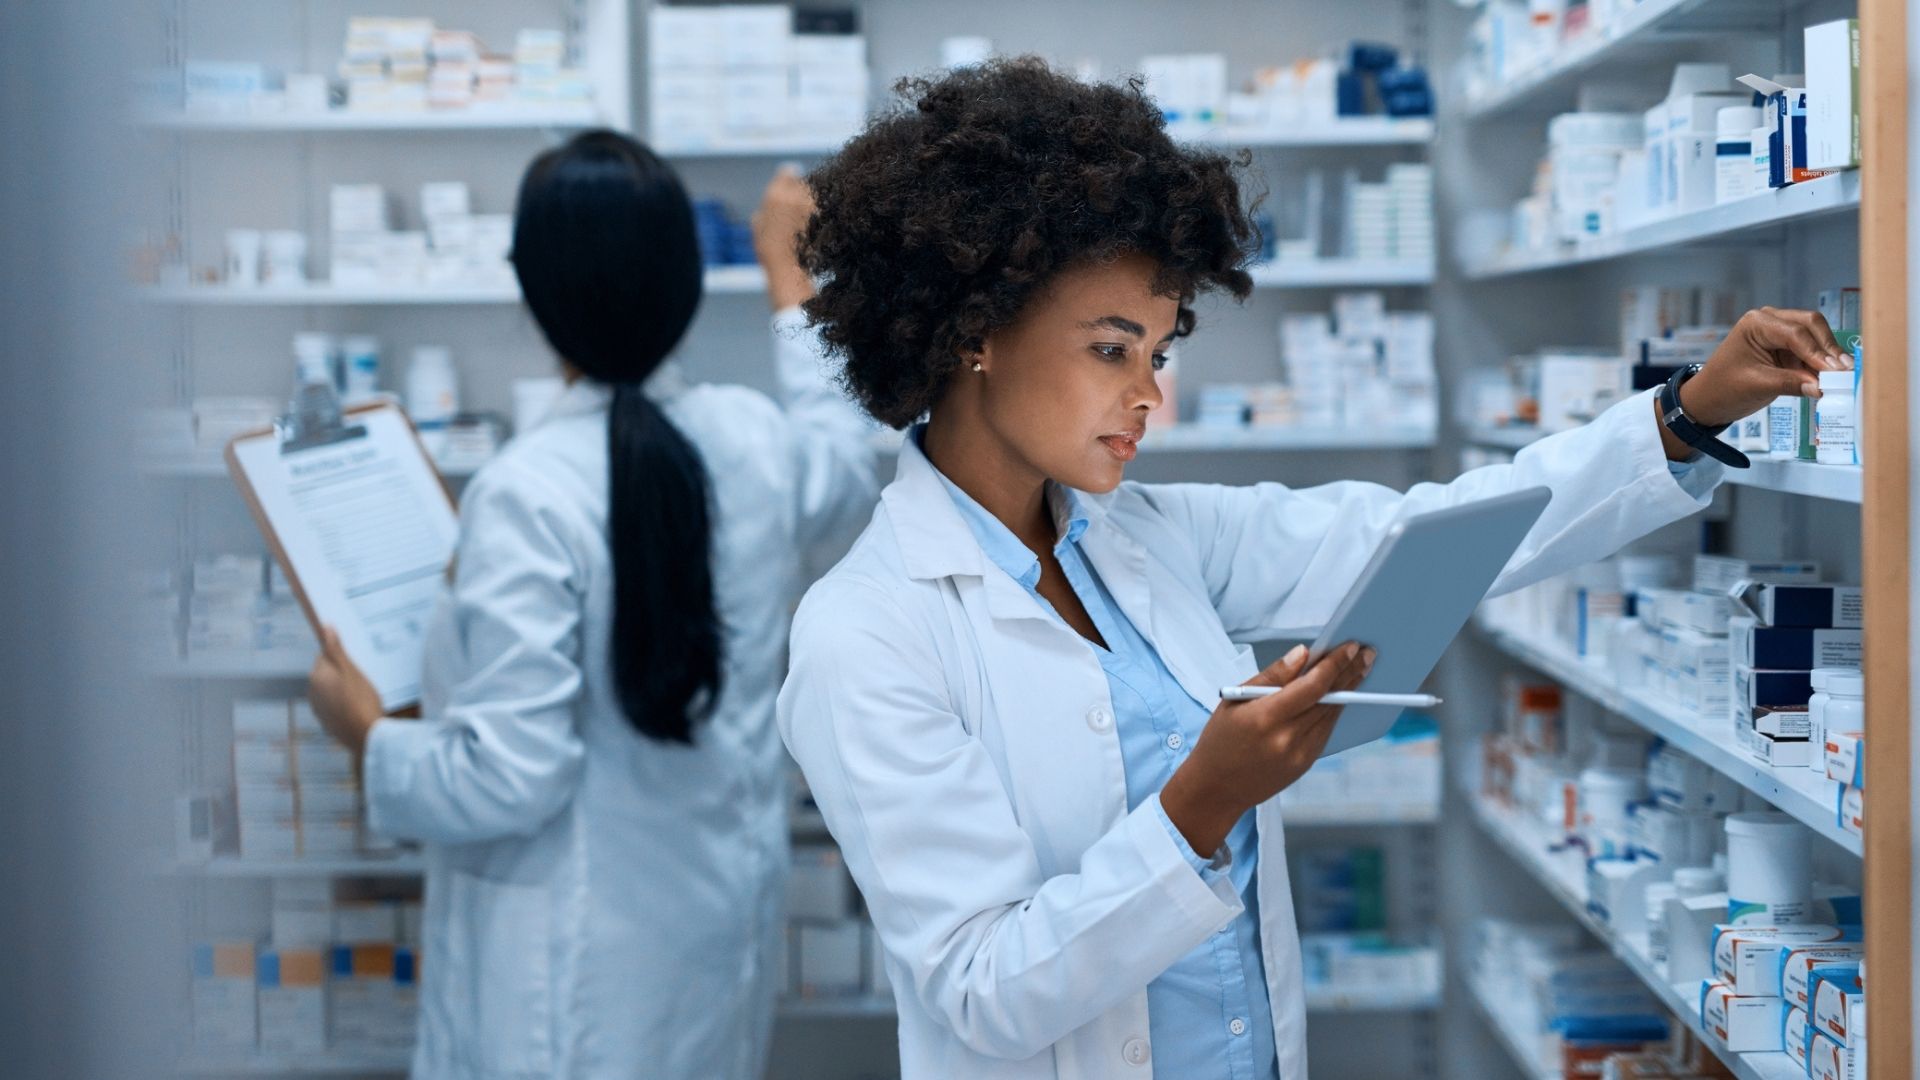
{"x": 999, "y": 696}
{"x": 597, "y": 782}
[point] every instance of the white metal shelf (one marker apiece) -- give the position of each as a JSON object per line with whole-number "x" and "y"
{"x": 1726, "y": 221}
{"x": 234, "y": 866}
{"x": 1337, "y": 273}
{"x": 1807, "y": 796}
{"x": 1563, "y": 875}
{"x": 717, "y": 280}
{"x": 1202, "y": 437}
{"x": 326, "y": 1063}
{"x": 471, "y": 118}
{"x": 235, "y": 668}
{"x": 1352, "y": 131}
{"x": 1636, "y": 35}
{"x": 1840, "y": 483}
{"x": 1322, "y": 1000}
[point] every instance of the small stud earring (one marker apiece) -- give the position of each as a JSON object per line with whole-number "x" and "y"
{"x": 977, "y": 367}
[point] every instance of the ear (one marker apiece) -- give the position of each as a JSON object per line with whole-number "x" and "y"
{"x": 976, "y": 354}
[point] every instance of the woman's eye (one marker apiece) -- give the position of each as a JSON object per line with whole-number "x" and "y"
{"x": 1112, "y": 352}
{"x": 1159, "y": 361}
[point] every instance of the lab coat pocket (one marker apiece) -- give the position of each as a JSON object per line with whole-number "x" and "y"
{"x": 1245, "y": 665}
{"x": 496, "y": 953}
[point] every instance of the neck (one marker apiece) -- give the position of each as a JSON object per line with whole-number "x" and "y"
{"x": 979, "y": 463}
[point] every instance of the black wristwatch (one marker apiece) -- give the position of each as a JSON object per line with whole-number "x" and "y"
{"x": 1692, "y": 432}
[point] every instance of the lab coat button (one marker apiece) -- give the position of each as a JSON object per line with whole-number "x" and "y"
{"x": 1098, "y": 718}
{"x": 1237, "y": 1026}
{"x": 1135, "y": 1051}
{"x": 1175, "y": 742}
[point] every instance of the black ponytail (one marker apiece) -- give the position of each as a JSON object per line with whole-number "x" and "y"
{"x": 605, "y": 249}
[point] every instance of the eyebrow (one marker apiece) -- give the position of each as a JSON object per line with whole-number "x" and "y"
{"x": 1122, "y": 324}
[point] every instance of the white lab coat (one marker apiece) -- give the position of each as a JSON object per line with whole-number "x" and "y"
{"x": 599, "y": 904}
{"x": 960, "y": 740}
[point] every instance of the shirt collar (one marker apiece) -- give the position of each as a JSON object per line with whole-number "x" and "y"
{"x": 998, "y": 542}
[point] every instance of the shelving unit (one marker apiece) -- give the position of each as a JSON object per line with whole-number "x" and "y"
{"x": 1726, "y": 222}
{"x": 472, "y": 118}
{"x": 233, "y": 866}
{"x": 1839, "y": 483}
{"x": 328, "y": 1063}
{"x": 719, "y": 280}
{"x": 1563, "y": 876}
{"x": 1521, "y": 1047}
{"x": 1808, "y": 796}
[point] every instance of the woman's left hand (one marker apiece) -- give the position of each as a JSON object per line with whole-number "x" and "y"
{"x": 1771, "y": 353}
{"x": 341, "y": 696}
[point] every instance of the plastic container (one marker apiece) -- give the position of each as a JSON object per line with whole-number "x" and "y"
{"x": 1657, "y": 895}
{"x": 1846, "y": 703}
{"x": 433, "y": 387}
{"x": 359, "y": 368}
{"x": 1733, "y": 153}
{"x": 1783, "y": 428}
{"x": 313, "y": 359}
{"x": 1816, "y": 714}
{"x": 1605, "y": 795}
{"x": 1834, "y": 423}
{"x": 1769, "y": 869}
{"x": 1691, "y": 881}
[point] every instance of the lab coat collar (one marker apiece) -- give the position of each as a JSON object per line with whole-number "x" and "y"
{"x": 585, "y": 395}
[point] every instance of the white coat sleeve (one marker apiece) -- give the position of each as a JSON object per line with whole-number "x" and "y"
{"x": 1276, "y": 561}
{"x": 831, "y": 442}
{"x": 1010, "y": 960}
{"x": 503, "y": 756}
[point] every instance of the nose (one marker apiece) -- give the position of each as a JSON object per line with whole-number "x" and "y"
{"x": 1145, "y": 393}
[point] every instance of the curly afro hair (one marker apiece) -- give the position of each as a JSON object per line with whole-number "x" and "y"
{"x": 937, "y": 224}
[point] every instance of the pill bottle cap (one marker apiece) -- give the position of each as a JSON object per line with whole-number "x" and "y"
{"x": 1841, "y": 381}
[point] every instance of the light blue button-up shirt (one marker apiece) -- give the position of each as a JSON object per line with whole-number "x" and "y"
{"x": 1207, "y": 1015}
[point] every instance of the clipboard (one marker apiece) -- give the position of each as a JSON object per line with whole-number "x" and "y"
{"x": 361, "y": 522}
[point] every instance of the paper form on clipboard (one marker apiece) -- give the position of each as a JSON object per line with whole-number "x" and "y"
{"x": 361, "y": 522}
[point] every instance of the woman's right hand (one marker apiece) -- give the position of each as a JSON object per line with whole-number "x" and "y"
{"x": 777, "y": 224}
{"x": 1252, "y": 750}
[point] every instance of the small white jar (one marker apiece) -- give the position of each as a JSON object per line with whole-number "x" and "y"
{"x": 1846, "y": 703}
{"x": 1816, "y": 714}
{"x": 1836, "y": 420}
{"x": 1769, "y": 868}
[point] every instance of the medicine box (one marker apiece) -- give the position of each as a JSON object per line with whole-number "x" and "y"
{"x": 1845, "y": 758}
{"x": 1796, "y": 1031}
{"x": 362, "y": 989}
{"x": 1830, "y": 1060}
{"x": 1779, "y": 753}
{"x": 292, "y": 1001}
{"x": 1690, "y": 922}
{"x": 1849, "y": 808}
{"x": 1742, "y": 1025}
{"x": 1799, "y": 962}
{"x": 1837, "y": 992}
{"x": 1785, "y": 722}
{"x": 1718, "y": 574}
{"x": 1747, "y": 958}
{"x": 370, "y": 922}
{"x": 1756, "y": 689}
{"x": 223, "y": 995}
{"x": 1833, "y": 96}
{"x": 1812, "y": 606}
{"x": 1792, "y": 648}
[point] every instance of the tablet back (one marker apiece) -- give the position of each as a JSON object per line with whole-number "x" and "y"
{"x": 1415, "y": 594}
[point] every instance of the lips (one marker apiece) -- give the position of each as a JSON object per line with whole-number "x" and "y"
{"x": 1124, "y": 446}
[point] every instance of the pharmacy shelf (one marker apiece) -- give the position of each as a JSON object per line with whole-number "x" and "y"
{"x": 326, "y": 1063}
{"x": 1807, "y": 796}
{"x": 1726, "y": 221}
{"x": 1562, "y": 873}
{"x": 237, "y": 668}
{"x": 1354, "y": 131}
{"x": 718, "y": 280}
{"x": 861, "y": 1007}
{"x": 1207, "y": 438}
{"x": 369, "y": 866}
{"x": 1637, "y": 35}
{"x": 1840, "y": 483}
{"x": 1521, "y": 1047}
{"x": 473, "y": 118}
{"x": 1351, "y": 814}
{"x": 1341, "y": 273}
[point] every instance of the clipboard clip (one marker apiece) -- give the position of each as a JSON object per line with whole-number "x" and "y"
{"x": 314, "y": 419}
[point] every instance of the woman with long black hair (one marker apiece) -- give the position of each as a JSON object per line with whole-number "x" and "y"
{"x": 597, "y": 781}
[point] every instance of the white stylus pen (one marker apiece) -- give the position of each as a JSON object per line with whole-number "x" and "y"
{"x": 1338, "y": 697}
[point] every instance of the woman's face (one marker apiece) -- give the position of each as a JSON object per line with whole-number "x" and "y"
{"x": 1068, "y": 385}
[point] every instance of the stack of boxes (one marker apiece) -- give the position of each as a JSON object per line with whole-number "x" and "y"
{"x": 457, "y": 246}
{"x": 409, "y": 64}
{"x": 242, "y": 610}
{"x": 830, "y": 951}
{"x": 464, "y": 247}
{"x": 1392, "y": 220}
{"x": 328, "y": 975}
{"x": 738, "y": 75}
{"x": 1362, "y": 365}
{"x": 1786, "y": 630}
{"x": 1579, "y": 1002}
{"x": 1795, "y": 989}
{"x": 295, "y": 789}
{"x": 1401, "y": 770}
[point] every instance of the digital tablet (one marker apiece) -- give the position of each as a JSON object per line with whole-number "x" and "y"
{"x": 1415, "y": 594}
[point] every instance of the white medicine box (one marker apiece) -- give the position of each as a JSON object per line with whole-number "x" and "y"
{"x": 1741, "y": 1024}
{"x": 292, "y": 1001}
{"x": 223, "y": 996}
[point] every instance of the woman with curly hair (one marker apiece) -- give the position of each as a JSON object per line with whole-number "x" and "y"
{"x": 1005, "y": 697}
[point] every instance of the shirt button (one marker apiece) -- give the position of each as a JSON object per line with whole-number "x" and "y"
{"x": 1135, "y": 1051}
{"x": 1098, "y": 718}
{"x": 1175, "y": 741}
{"x": 1237, "y": 1026}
